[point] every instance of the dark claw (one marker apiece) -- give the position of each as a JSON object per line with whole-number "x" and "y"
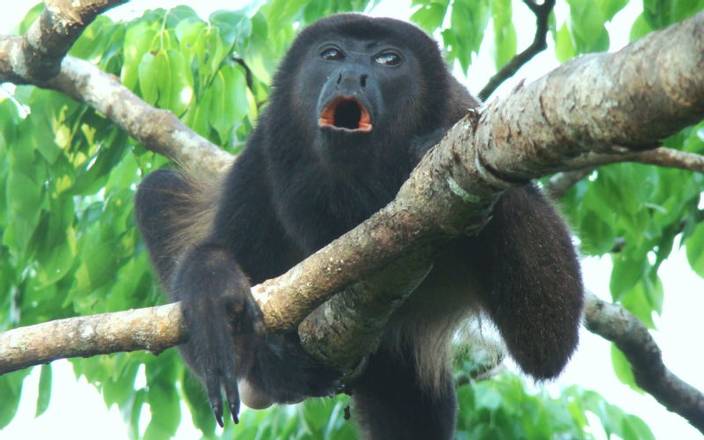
{"x": 215, "y": 397}
{"x": 234, "y": 410}
{"x": 232, "y": 394}
{"x": 217, "y": 411}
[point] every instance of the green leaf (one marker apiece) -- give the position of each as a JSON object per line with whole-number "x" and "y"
{"x": 587, "y": 26}
{"x": 504, "y": 32}
{"x": 564, "y": 47}
{"x": 627, "y": 271}
{"x": 635, "y": 429}
{"x": 637, "y": 302}
{"x": 695, "y": 249}
{"x": 180, "y": 93}
{"x": 162, "y": 396}
{"x": 196, "y": 399}
{"x": 609, "y": 8}
{"x": 622, "y": 368}
{"x": 640, "y": 28}
{"x": 11, "y": 392}
{"x": 138, "y": 40}
{"x": 235, "y": 27}
{"x": 597, "y": 236}
{"x": 30, "y": 17}
{"x": 44, "y": 390}
{"x": 430, "y": 15}
{"x": 148, "y": 75}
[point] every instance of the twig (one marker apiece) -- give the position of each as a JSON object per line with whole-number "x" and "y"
{"x": 542, "y": 13}
{"x": 614, "y": 323}
{"x": 561, "y": 182}
{"x": 249, "y": 77}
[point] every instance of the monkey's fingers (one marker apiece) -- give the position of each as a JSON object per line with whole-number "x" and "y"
{"x": 233, "y": 396}
{"x": 213, "y": 384}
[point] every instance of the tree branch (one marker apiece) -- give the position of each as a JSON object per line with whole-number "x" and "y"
{"x": 542, "y": 14}
{"x": 164, "y": 134}
{"x": 561, "y": 182}
{"x": 39, "y": 58}
{"x": 152, "y": 328}
{"x": 614, "y": 323}
{"x": 36, "y": 57}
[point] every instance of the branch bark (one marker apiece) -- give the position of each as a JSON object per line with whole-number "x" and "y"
{"x": 36, "y": 57}
{"x": 561, "y": 182}
{"x": 614, "y": 323}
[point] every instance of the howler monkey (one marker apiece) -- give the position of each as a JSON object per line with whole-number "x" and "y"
{"x": 354, "y": 105}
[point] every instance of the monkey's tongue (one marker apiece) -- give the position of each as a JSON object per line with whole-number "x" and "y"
{"x": 346, "y": 113}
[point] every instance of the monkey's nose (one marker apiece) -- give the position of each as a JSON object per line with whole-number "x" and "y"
{"x": 351, "y": 79}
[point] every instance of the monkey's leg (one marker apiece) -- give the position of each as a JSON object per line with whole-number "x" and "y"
{"x": 389, "y": 403}
{"x": 532, "y": 282}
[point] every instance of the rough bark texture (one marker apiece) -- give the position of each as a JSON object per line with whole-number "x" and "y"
{"x": 561, "y": 182}
{"x": 360, "y": 312}
{"x": 153, "y": 329}
{"x": 36, "y": 57}
{"x": 630, "y": 98}
{"x": 633, "y": 339}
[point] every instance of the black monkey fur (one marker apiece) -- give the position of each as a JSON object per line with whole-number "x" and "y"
{"x": 355, "y": 104}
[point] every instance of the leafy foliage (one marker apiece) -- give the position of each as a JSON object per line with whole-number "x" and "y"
{"x": 69, "y": 246}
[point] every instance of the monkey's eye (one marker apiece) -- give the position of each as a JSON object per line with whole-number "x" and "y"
{"x": 332, "y": 54}
{"x": 388, "y": 58}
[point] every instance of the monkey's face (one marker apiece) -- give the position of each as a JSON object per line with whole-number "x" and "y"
{"x": 357, "y": 93}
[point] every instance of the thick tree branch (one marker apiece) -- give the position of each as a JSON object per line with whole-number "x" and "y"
{"x": 36, "y": 57}
{"x": 617, "y": 325}
{"x": 39, "y": 58}
{"x": 153, "y": 328}
{"x": 542, "y": 14}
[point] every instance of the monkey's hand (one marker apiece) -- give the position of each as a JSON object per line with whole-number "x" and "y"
{"x": 222, "y": 320}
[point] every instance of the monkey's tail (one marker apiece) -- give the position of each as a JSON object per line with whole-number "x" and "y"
{"x": 175, "y": 210}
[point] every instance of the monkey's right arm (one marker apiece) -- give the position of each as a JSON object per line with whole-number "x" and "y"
{"x": 212, "y": 280}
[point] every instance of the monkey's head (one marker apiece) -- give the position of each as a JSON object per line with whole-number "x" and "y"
{"x": 358, "y": 88}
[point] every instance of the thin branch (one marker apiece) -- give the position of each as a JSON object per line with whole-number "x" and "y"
{"x": 561, "y": 182}
{"x": 542, "y": 14}
{"x": 614, "y": 323}
{"x": 164, "y": 134}
{"x": 249, "y": 77}
{"x": 662, "y": 156}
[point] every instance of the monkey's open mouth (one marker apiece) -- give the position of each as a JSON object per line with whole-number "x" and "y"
{"x": 346, "y": 113}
